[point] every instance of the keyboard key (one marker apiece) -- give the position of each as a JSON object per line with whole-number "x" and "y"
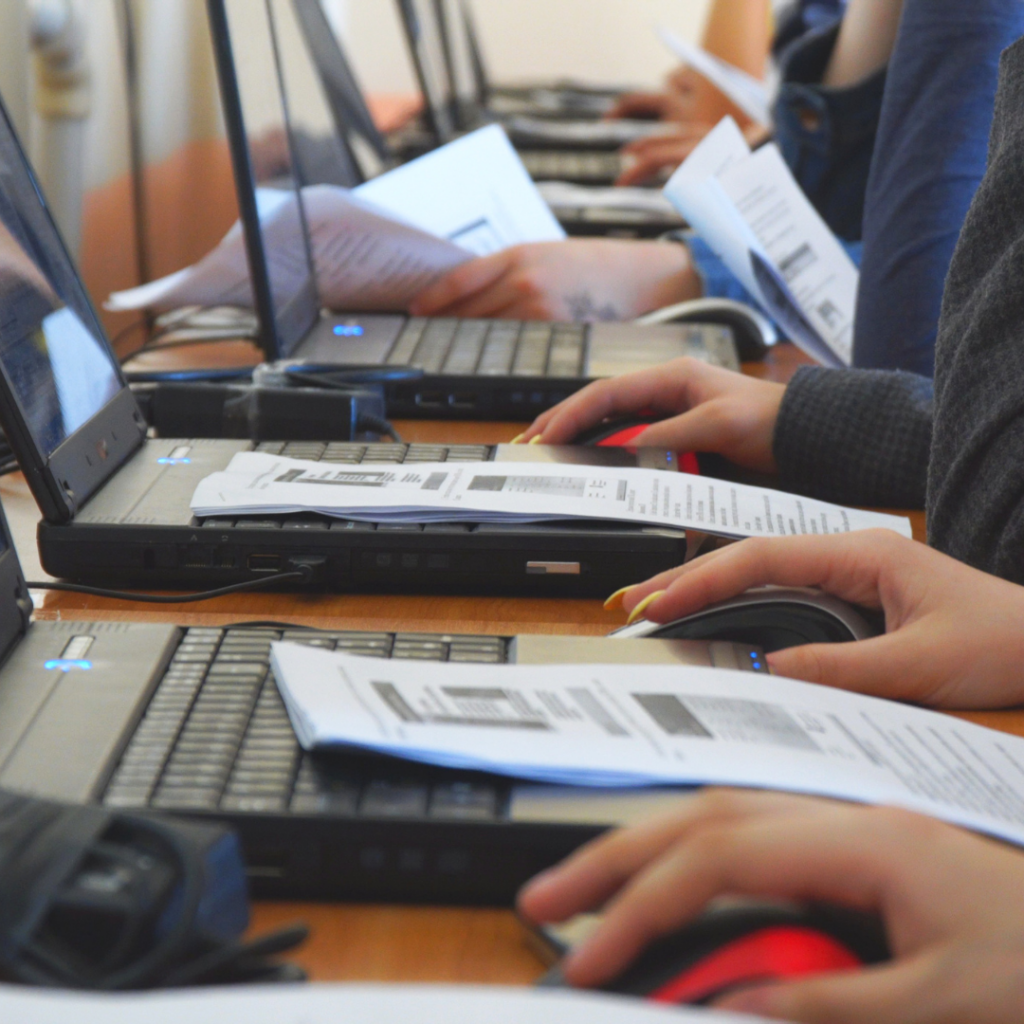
{"x": 532, "y": 355}
{"x": 466, "y": 348}
{"x": 242, "y": 803}
{"x": 469, "y": 453}
{"x": 433, "y": 348}
{"x": 405, "y": 346}
{"x": 383, "y": 799}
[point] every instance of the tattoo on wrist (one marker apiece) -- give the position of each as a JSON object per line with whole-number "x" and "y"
{"x": 584, "y": 309}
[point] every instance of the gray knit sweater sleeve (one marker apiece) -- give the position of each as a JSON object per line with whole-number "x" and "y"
{"x": 858, "y": 437}
{"x": 976, "y": 475}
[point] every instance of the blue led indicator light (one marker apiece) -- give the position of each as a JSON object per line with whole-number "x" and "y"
{"x": 757, "y": 664}
{"x": 173, "y": 462}
{"x": 67, "y": 665}
{"x": 349, "y": 331}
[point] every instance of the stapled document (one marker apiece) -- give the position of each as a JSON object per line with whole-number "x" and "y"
{"x": 644, "y": 725}
{"x": 750, "y": 210}
{"x": 376, "y": 247}
{"x": 257, "y": 483}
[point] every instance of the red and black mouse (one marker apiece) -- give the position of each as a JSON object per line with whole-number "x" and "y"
{"x": 740, "y": 947}
{"x": 623, "y": 434}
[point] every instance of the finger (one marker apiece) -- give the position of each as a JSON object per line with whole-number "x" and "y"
{"x": 827, "y": 853}
{"x": 465, "y": 280}
{"x": 847, "y": 566}
{"x": 663, "y": 581}
{"x": 900, "y": 994}
{"x": 649, "y": 391}
{"x": 640, "y": 170}
{"x": 593, "y": 874}
{"x": 488, "y": 303}
{"x": 892, "y": 666}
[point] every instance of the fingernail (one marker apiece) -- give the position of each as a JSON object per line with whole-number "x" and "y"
{"x": 614, "y": 603}
{"x": 518, "y": 439}
{"x": 638, "y": 611}
{"x": 535, "y": 439}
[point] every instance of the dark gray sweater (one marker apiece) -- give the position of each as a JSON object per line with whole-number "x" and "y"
{"x": 879, "y": 438}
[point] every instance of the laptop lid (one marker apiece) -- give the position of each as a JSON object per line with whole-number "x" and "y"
{"x": 424, "y": 39}
{"x": 353, "y": 120}
{"x": 64, "y": 404}
{"x": 247, "y": 51}
{"x": 474, "y": 48}
{"x": 15, "y": 604}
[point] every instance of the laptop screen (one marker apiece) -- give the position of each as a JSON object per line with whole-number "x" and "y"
{"x": 53, "y": 351}
{"x": 426, "y": 46}
{"x": 248, "y": 43}
{"x": 352, "y": 118}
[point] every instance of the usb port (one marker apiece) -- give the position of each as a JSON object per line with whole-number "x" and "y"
{"x": 430, "y": 400}
{"x": 264, "y": 563}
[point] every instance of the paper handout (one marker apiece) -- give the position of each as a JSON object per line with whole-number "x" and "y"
{"x": 351, "y": 1004}
{"x": 750, "y": 95}
{"x": 257, "y": 483}
{"x": 750, "y": 210}
{"x": 643, "y": 725}
{"x": 474, "y": 192}
{"x": 364, "y": 259}
{"x": 374, "y": 248}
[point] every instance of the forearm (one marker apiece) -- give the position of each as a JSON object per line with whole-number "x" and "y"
{"x": 855, "y": 437}
{"x": 865, "y": 42}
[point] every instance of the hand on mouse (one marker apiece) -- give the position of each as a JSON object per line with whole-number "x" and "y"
{"x": 954, "y": 637}
{"x": 710, "y": 410}
{"x": 952, "y": 902}
{"x": 582, "y": 279}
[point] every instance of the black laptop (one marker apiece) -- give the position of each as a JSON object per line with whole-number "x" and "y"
{"x": 368, "y": 152}
{"x": 472, "y": 369}
{"x": 115, "y": 503}
{"x": 189, "y": 720}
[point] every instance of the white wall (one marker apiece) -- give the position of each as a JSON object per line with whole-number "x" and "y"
{"x": 599, "y": 40}
{"x": 602, "y": 40}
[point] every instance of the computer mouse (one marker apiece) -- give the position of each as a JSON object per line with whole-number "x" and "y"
{"x": 623, "y": 434}
{"x": 740, "y": 946}
{"x": 771, "y": 618}
{"x": 753, "y": 332}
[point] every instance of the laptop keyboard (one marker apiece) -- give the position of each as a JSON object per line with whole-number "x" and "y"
{"x": 491, "y": 348}
{"x": 543, "y": 165}
{"x": 216, "y": 737}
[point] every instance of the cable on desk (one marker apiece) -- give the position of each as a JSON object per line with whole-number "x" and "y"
{"x": 303, "y": 573}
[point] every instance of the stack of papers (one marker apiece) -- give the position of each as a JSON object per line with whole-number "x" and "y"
{"x": 378, "y": 246}
{"x": 644, "y": 725}
{"x": 256, "y": 483}
{"x": 351, "y": 1004}
{"x": 751, "y": 211}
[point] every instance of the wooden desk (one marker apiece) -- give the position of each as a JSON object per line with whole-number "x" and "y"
{"x": 374, "y": 943}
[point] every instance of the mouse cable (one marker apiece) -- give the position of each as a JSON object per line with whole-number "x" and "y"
{"x": 304, "y": 573}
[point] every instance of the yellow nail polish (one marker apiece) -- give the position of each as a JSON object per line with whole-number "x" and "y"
{"x": 638, "y": 611}
{"x": 518, "y": 439}
{"x": 614, "y": 603}
{"x": 535, "y": 439}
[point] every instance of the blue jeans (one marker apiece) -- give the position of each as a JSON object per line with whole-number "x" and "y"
{"x": 929, "y": 161}
{"x": 827, "y": 135}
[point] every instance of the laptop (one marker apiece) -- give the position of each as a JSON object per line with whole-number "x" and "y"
{"x": 580, "y": 151}
{"x": 115, "y": 503}
{"x": 188, "y": 720}
{"x": 549, "y": 99}
{"x": 471, "y": 369}
{"x": 369, "y": 152}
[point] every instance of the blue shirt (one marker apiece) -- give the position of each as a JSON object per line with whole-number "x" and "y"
{"x": 929, "y": 160}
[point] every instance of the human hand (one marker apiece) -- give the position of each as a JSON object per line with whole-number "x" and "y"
{"x": 579, "y": 279}
{"x": 952, "y": 903}
{"x": 708, "y": 409}
{"x": 953, "y": 634}
{"x": 647, "y": 160}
